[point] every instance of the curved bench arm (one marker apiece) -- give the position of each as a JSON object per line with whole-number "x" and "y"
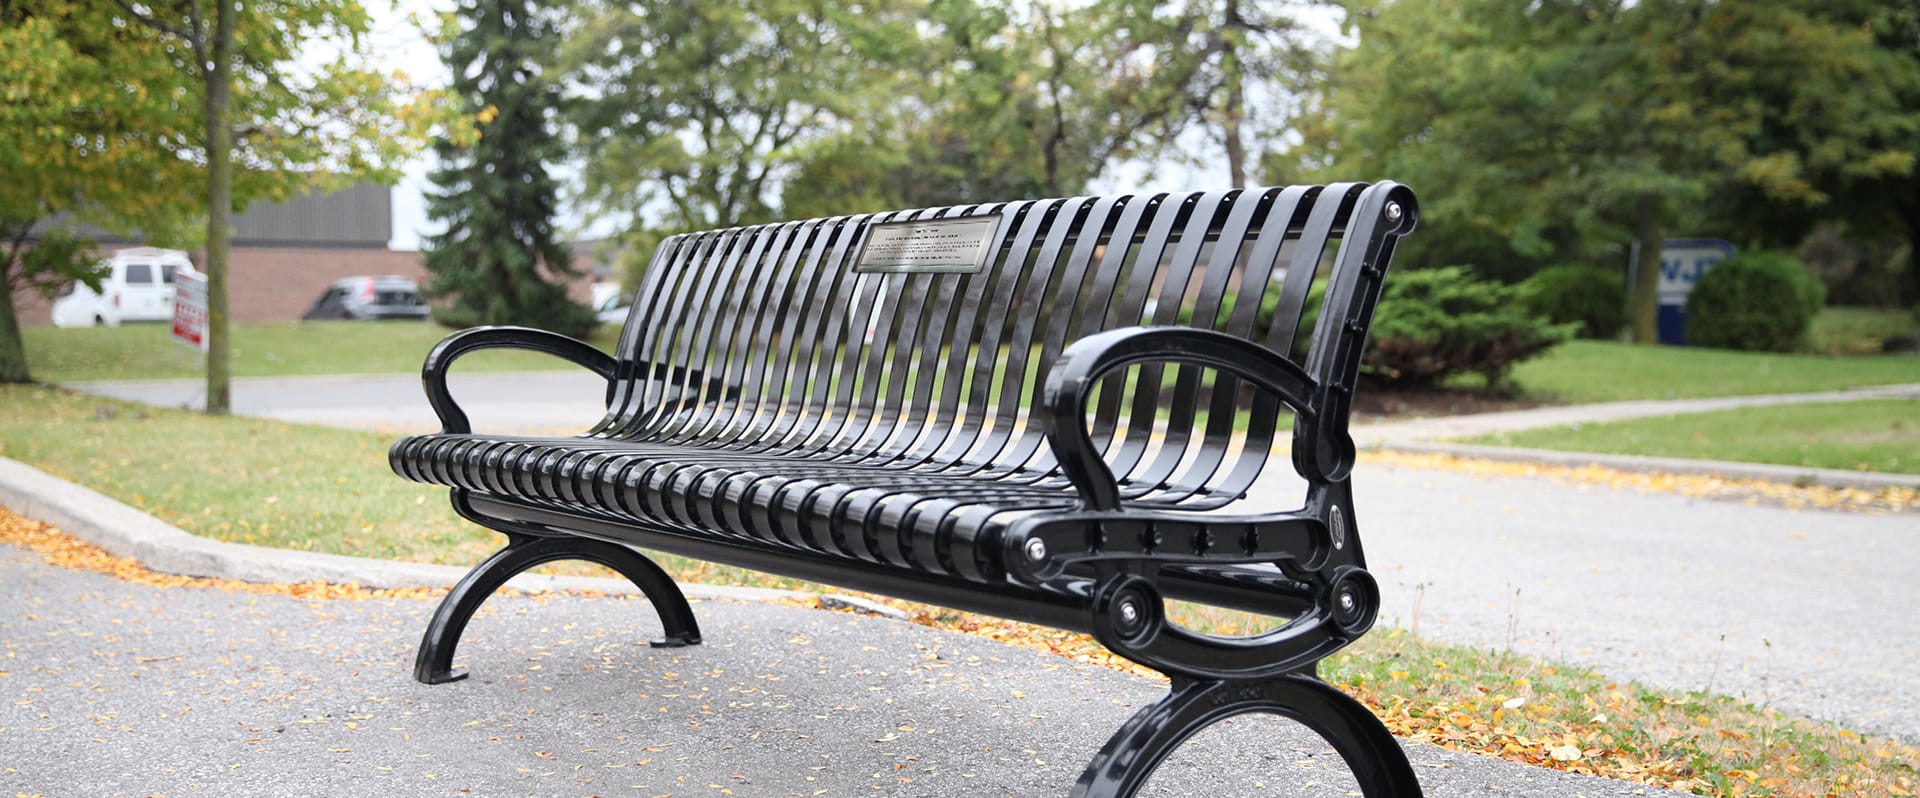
{"x": 433, "y": 374}
{"x": 1086, "y": 361}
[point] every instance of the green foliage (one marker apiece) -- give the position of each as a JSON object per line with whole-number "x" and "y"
{"x": 1007, "y": 104}
{"x": 1858, "y": 269}
{"x": 700, "y": 109}
{"x": 1563, "y": 130}
{"x": 1432, "y": 324}
{"x": 493, "y": 262}
{"x": 1192, "y": 65}
{"x": 90, "y": 128}
{"x": 58, "y": 258}
{"x": 743, "y": 110}
{"x": 1590, "y": 296}
{"x": 143, "y": 118}
{"x": 1263, "y": 318}
{"x": 1843, "y": 331}
{"x": 1757, "y": 301}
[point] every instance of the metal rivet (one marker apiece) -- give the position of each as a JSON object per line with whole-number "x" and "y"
{"x": 1393, "y": 211}
{"x": 1036, "y": 549}
{"x": 1337, "y": 525}
{"x": 1129, "y": 612}
{"x": 1346, "y": 601}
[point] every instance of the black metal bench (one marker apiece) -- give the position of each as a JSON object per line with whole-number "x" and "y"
{"x": 1051, "y": 411}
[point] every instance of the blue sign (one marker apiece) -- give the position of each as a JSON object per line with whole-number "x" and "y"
{"x": 1683, "y": 261}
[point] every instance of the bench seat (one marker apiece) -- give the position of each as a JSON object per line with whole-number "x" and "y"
{"x": 911, "y": 517}
{"x": 1064, "y": 411}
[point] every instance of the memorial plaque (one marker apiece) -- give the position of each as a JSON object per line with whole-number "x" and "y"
{"x": 941, "y": 246}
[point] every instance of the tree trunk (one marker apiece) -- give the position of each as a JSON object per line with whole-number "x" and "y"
{"x": 1236, "y": 109}
{"x": 13, "y": 351}
{"x": 1230, "y": 130}
{"x": 1645, "y": 308}
{"x": 219, "y": 209}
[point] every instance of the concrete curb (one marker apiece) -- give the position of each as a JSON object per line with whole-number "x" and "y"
{"x": 126, "y": 532}
{"x": 1797, "y": 475}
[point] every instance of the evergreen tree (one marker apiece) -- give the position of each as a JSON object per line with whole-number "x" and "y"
{"x": 495, "y": 262}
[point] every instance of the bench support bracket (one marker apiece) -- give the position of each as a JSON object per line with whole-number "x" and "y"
{"x": 1122, "y": 766}
{"x": 434, "y": 664}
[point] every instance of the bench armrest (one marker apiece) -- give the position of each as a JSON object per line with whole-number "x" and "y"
{"x": 1086, "y": 361}
{"x": 433, "y": 374}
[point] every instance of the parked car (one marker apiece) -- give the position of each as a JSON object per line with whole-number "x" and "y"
{"x": 369, "y": 298}
{"x": 611, "y": 308}
{"x": 138, "y": 286}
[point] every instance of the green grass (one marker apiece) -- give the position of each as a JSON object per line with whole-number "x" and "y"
{"x": 260, "y": 349}
{"x": 1874, "y": 435}
{"x": 1599, "y": 371}
{"x": 254, "y": 481}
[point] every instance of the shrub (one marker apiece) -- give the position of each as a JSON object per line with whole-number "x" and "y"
{"x": 1436, "y": 323}
{"x": 1432, "y": 324}
{"x": 1592, "y": 296}
{"x": 1756, "y": 301}
{"x": 1269, "y": 304}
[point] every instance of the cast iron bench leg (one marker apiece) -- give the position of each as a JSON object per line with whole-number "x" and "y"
{"x": 434, "y": 664}
{"x": 1131, "y": 755}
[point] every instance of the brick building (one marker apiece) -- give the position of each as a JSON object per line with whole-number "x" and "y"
{"x": 284, "y": 255}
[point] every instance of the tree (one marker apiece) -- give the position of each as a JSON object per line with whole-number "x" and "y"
{"x": 697, "y": 111}
{"x": 90, "y": 131}
{"x": 291, "y": 125}
{"x": 1005, "y": 103}
{"x": 496, "y": 196}
{"x": 1589, "y": 121}
{"x": 1196, "y": 63}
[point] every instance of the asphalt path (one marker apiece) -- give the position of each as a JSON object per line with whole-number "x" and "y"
{"x": 1806, "y": 611}
{"x": 537, "y": 402}
{"x": 112, "y": 688}
{"x": 1801, "y": 610}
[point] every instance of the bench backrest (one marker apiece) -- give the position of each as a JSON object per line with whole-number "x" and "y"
{"x": 919, "y": 337}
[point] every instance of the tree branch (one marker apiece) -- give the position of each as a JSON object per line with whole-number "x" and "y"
{"x": 192, "y": 37}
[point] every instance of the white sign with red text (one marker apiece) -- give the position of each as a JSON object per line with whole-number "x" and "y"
{"x": 190, "y": 309}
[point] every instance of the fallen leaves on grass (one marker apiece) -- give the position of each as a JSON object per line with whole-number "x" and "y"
{"x": 1896, "y": 499}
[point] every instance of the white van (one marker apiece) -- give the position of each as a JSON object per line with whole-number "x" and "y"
{"x": 138, "y": 286}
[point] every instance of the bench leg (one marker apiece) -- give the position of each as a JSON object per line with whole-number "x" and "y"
{"x": 1131, "y": 755}
{"x": 434, "y": 664}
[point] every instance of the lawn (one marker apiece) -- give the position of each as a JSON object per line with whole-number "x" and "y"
{"x": 1599, "y": 371}
{"x": 255, "y": 481}
{"x": 1875, "y": 435}
{"x": 260, "y": 349}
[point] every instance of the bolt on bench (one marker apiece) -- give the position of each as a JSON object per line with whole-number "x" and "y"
{"x": 1048, "y": 411}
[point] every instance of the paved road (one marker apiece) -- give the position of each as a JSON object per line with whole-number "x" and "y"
{"x": 566, "y": 400}
{"x": 536, "y": 402}
{"x": 1796, "y": 609}
{"x": 109, "y": 689}
{"x": 1803, "y": 610}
